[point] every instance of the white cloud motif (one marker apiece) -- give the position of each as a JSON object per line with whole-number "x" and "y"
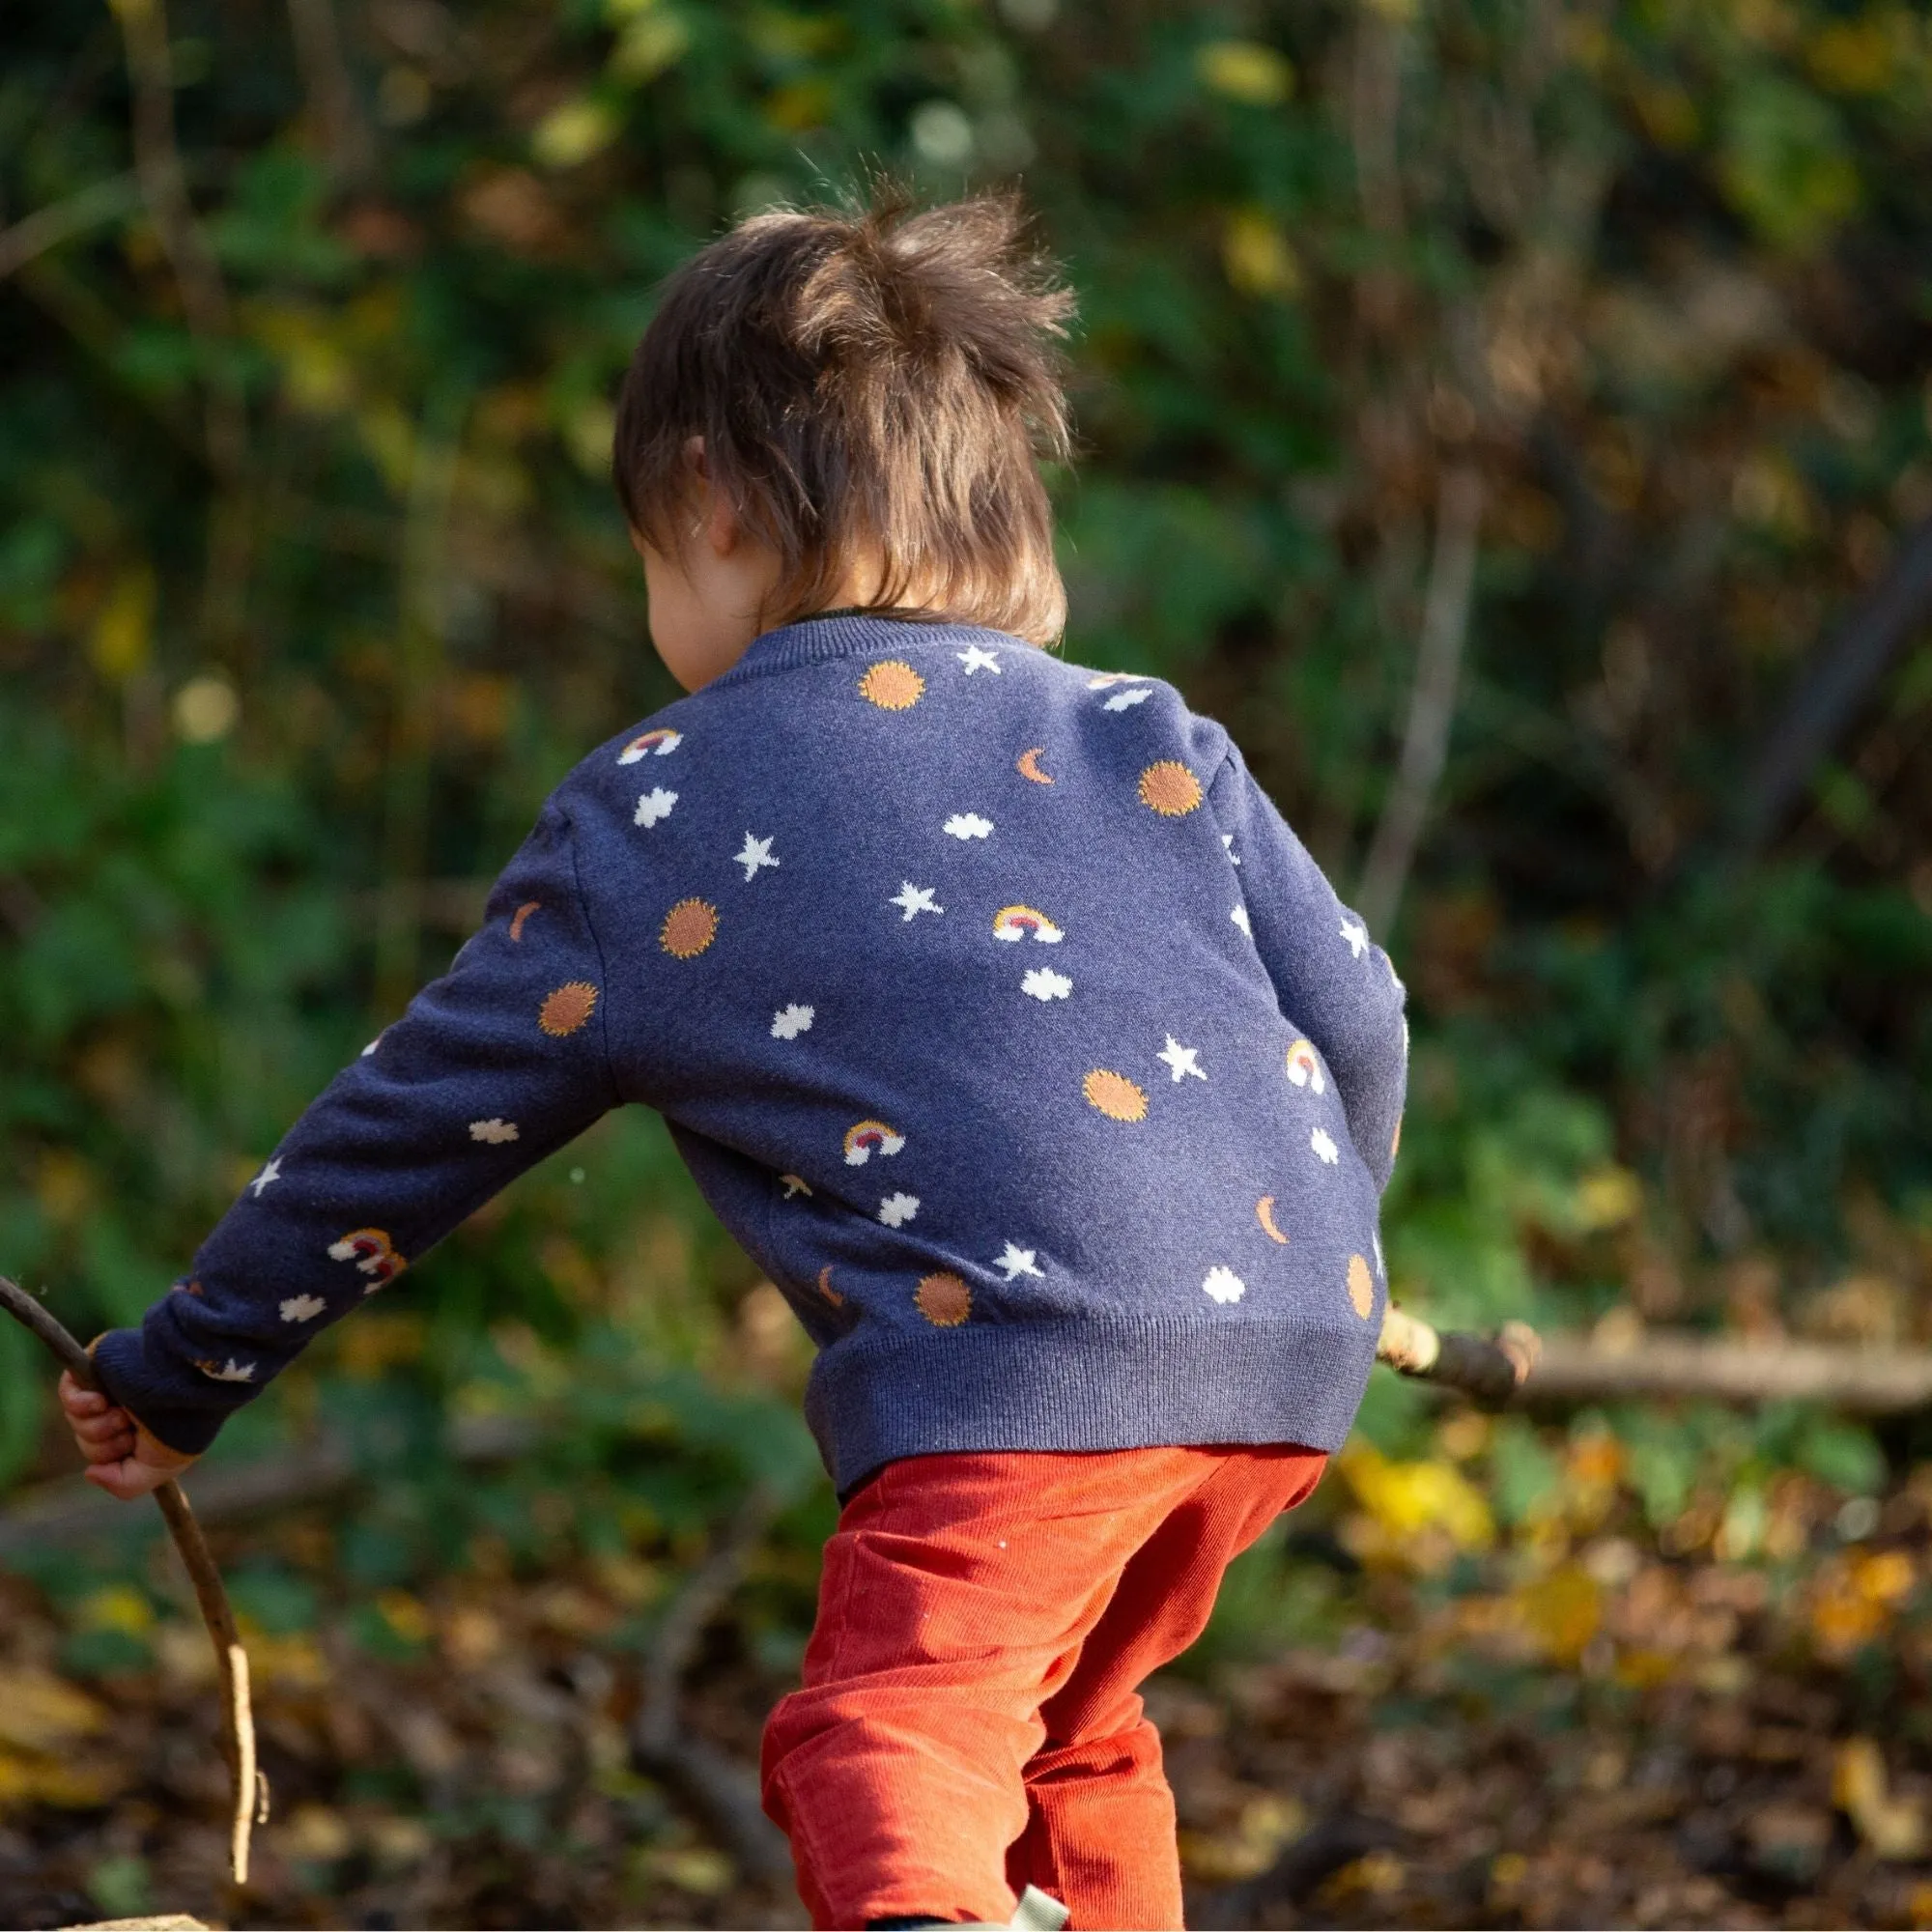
{"x": 1044, "y": 983}
{"x": 1015, "y": 1261}
{"x": 1239, "y": 916}
{"x": 496, "y": 1133}
{"x": 656, "y": 804}
{"x": 230, "y": 1371}
{"x": 914, "y": 900}
{"x": 371, "y": 1047}
{"x": 1322, "y": 1141}
{"x": 303, "y": 1307}
{"x": 1122, "y": 701}
{"x": 1223, "y": 1285}
{"x": 897, "y": 1210}
{"x": 968, "y": 825}
{"x": 790, "y": 1022}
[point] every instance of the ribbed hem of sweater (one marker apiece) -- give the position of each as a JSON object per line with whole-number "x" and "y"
{"x": 1134, "y": 1384}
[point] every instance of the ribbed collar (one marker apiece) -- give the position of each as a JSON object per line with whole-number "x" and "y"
{"x": 818, "y": 640}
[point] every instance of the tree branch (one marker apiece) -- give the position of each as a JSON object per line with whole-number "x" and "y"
{"x": 1432, "y": 704}
{"x": 90, "y": 206}
{"x": 1840, "y": 677}
{"x": 250, "y": 1787}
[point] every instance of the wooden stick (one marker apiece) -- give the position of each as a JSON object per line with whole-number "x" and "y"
{"x": 1488, "y": 1372}
{"x": 251, "y": 1788}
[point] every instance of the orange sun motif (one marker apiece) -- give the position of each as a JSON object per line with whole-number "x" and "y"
{"x": 1361, "y": 1287}
{"x": 688, "y": 927}
{"x": 1170, "y": 788}
{"x": 944, "y": 1299}
{"x": 522, "y": 913}
{"x": 892, "y": 686}
{"x": 1114, "y": 1095}
{"x": 567, "y": 1008}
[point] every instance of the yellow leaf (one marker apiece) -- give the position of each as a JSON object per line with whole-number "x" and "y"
{"x": 1404, "y": 1498}
{"x": 404, "y": 1616}
{"x": 652, "y": 43}
{"x": 1256, "y": 256}
{"x": 569, "y": 135}
{"x": 1884, "y": 1578}
{"x": 1245, "y": 71}
{"x": 1607, "y": 1197}
{"x": 123, "y": 630}
{"x": 26, "y": 1778}
{"x": 1894, "y": 1828}
{"x": 39, "y": 1712}
{"x": 1563, "y": 1612}
{"x": 120, "y": 1607}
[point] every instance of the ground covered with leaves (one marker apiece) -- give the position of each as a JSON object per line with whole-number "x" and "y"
{"x": 1477, "y": 1684}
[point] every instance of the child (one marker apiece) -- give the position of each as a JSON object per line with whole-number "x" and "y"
{"x": 996, "y": 1012}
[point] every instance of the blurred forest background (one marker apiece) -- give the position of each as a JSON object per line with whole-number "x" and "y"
{"x": 1510, "y": 417}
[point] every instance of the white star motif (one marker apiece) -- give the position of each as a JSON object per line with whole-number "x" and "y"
{"x": 754, "y": 855}
{"x": 897, "y": 1210}
{"x": 1227, "y": 846}
{"x": 1357, "y": 934}
{"x": 654, "y": 805}
{"x": 303, "y": 1307}
{"x": 912, "y": 900}
{"x": 1043, "y": 983}
{"x": 792, "y": 1021}
{"x": 1239, "y": 916}
{"x": 1183, "y": 1059}
{"x": 1322, "y": 1141}
{"x": 976, "y": 659}
{"x": 371, "y": 1047}
{"x": 1223, "y": 1285}
{"x": 231, "y": 1371}
{"x": 968, "y": 825}
{"x": 268, "y": 1177}
{"x": 1126, "y": 700}
{"x": 1017, "y": 1260}
{"x": 496, "y": 1133}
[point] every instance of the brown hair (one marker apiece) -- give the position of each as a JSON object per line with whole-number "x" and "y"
{"x": 870, "y": 381}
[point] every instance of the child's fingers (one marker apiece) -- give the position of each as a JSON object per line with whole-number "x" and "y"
{"x": 102, "y": 1428}
{"x": 128, "y": 1480}
{"x": 110, "y": 1448}
{"x": 78, "y": 1400}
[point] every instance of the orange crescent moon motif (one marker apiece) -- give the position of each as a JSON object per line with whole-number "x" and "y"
{"x": 1027, "y": 764}
{"x": 826, "y": 1289}
{"x": 1264, "y": 1214}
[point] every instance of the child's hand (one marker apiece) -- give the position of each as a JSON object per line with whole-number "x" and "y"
{"x": 122, "y": 1458}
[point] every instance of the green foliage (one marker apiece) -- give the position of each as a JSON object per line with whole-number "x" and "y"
{"x": 311, "y": 586}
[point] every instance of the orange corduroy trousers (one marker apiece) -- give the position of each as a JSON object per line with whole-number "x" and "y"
{"x": 969, "y": 1722}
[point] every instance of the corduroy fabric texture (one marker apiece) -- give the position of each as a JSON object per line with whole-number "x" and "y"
{"x": 993, "y": 1007}
{"x": 970, "y": 1721}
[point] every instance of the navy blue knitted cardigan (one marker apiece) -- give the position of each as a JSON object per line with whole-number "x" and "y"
{"x": 995, "y": 1010}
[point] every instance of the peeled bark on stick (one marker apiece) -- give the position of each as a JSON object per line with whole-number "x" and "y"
{"x": 1489, "y": 1371}
{"x": 250, "y": 1787}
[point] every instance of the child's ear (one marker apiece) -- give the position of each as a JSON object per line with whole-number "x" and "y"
{"x": 717, "y": 515}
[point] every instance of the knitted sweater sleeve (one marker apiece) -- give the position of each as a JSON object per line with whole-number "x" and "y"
{"x": 491, "y": 1068}
{"x": 1332, "y": 982}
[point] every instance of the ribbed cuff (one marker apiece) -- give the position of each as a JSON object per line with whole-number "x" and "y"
{"x": 119, "y": 1364}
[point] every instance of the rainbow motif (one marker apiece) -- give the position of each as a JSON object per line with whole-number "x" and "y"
{"x": 663, "y": 741}
{"x": 372, "y": 1252}
{"x": 870, "y": 1137}
{"x": 1016, "y": 922}
{"x": 1304, "y": 1067}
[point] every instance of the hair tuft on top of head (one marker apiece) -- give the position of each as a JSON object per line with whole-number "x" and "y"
{"x": 879, "y": 383}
